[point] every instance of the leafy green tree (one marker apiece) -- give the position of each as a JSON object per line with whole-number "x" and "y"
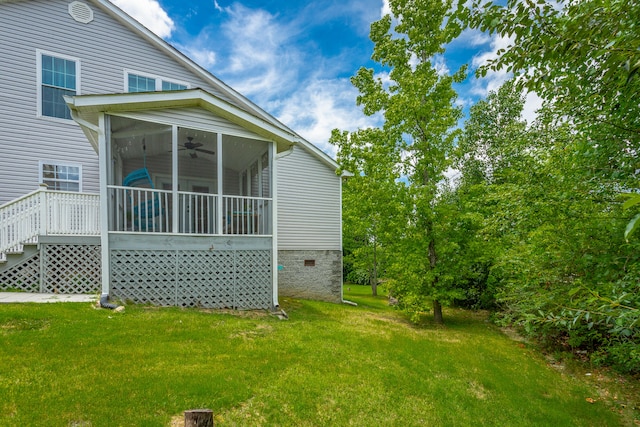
{"x": 494, "y": 138}
{"x": 564, "y": 270}
{"x": 633, "y": 199}
{"x": 494, "y": 157}
{"x": 372, "y": 197}
{"x": 583, "y": 55}
{"x": 583, "y": 58}
{"x": 557, "y": 260}
{"x": 417, "y": 105}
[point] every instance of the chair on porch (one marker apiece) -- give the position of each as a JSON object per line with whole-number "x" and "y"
{"x": 145, "y": 210}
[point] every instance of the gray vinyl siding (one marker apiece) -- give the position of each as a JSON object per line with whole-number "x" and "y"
{"x": 104, "y": 47}
{"x": 308, "y": 194}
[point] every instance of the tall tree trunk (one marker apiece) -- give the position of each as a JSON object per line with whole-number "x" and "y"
{"x": 373, "y": 276}
{"x": 437, "y": 312}
{"x": 433, "y": 260}
{"x": 433, "y": 257}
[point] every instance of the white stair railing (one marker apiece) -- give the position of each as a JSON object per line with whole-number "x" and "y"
{"x": 20, "y": 220}
{"x": 45, "y": 212}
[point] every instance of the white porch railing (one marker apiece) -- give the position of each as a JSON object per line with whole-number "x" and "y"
{"x": 150, "y": 210}
{"x": 140, "y": 209}
{"x": 44, "y": 212}
{"x": 246, "y": 215}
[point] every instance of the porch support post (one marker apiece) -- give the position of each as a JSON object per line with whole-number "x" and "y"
{"x": 174, "y": 180}
{"x": 273, "y": 161}
{"x": 103, "y": 160}
{"x": 219, "y": 222}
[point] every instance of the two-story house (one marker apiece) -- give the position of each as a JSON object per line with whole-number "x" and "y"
{"x": 128, "y": 169}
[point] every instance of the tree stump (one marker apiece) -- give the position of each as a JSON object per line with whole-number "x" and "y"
{"x": 198, "y": 418}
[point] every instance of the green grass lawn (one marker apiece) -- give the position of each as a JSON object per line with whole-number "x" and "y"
{"x": 73, "y": 365}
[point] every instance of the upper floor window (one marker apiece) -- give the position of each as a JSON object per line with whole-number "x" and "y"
{"x": 61, "y": 177}
{"x": 141, "y": 84}
{"x": 144, "y": 83}
{"x": 166, "y": 85}
{"x": 58, "y": 76}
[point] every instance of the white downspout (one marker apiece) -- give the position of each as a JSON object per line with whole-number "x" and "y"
{"x": 285, "y": 153}
{"x": 220, "y": 188}
{"x": 274, "y": 227}
{"x": 83, "y": 122}
{"x": 104, "y": 202}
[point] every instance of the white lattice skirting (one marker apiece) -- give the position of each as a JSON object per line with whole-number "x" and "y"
{"x": 24, "y": 276}
{"x": 193, "y": 278}
{"x": 56, "y": 268}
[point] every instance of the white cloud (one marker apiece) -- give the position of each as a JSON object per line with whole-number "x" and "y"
{"x": 472, "y": 37}
{"x": 384, "y": 77}
{"x": 203, "y": 56}
{"x": 263, "y": 57}
{"x": 497, "y": 42}
{"x": 386, "y": 9}
{"x": 320, "y": 107}
{"x": 271, "y": 61}
{"x": 493, "y": 79}
{"x": 440, "y": 64}
{"x": 150, "y": 14}
{"x": 532, "y": 104}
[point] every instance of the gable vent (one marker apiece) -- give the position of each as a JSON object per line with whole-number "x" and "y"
{"x": 80, "y": 12}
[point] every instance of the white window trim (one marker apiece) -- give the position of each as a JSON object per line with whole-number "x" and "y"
{"x": 158, "y": 79}
{"x": 39, "y": 54}
{"x": 41, "y": 163}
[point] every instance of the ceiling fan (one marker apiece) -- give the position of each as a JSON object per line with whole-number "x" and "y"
{"x": 193, "y": 147}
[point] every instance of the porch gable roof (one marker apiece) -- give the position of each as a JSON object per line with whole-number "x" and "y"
{"x": 85, "y": 111}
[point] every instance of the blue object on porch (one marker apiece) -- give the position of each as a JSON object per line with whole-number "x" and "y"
{"x": 144, "y": 212}
{"x": 138, "y": 177}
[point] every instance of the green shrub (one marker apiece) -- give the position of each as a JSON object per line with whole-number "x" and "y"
{"x": 622, "y": 356}
{"x": 358, "y": 276}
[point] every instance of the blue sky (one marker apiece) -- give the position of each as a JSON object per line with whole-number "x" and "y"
{"x": 294, "y": 58}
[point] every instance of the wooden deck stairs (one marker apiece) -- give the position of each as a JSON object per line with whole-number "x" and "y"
{"x": 49, "y": 243}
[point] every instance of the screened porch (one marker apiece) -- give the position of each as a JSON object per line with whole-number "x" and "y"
{"x": 177, "y": 180}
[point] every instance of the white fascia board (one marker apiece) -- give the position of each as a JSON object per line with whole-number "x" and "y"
{"x": 114, "y": 103}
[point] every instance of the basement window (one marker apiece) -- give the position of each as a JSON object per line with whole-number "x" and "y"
{"x": 309, "y": 262}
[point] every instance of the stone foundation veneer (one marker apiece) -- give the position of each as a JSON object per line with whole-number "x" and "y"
{"x": 322, "y": 281}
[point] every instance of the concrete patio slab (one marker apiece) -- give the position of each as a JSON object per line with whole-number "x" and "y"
{"x": 21, "y": 297}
